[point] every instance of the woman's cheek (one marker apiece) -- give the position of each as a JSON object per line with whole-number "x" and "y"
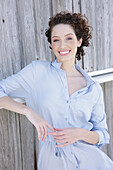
{"x": 55, "y": 45}
{"x": 72, "y": 43}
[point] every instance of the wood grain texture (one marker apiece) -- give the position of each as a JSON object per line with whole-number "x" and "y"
{"x": 108, "y": 93}
{"x": 64, "y": 5}
{"x": 22, "y": 33}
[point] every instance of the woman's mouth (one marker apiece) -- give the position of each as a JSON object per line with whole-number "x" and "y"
{"x": 64, "y": 53}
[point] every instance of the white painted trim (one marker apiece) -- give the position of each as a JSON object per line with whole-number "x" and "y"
{"x": 100, "y": 72}
{"x": 102, "y": 76}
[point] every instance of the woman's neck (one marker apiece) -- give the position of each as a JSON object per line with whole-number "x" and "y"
{"x": 69, "y": 68}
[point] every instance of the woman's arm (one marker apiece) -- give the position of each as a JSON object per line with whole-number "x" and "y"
{"x": 67, "y": 136}
{"x": 40, "y": 124}
{"x": 91, "y": 137}
{"x": 9, "y": 104}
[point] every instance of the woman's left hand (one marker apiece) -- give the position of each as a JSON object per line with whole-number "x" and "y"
{"x": 66, "y": 136}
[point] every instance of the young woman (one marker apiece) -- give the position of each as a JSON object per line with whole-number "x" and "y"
{"x": 62, "y": 101}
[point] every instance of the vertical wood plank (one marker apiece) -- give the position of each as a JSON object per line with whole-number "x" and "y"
{"x": 42, "y": 13}
{"x": 10, "y": 144}
{"x": 64, "y": 5}
{"x": 26, "y": 31}
{"x": 9, "y": 51}
{"x": 110, "y": 34}
{"x": 76, "y": 5}
{"x": 90, "y": 52}
{"x": 109, "y": 110}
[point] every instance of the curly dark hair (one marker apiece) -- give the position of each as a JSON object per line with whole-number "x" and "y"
{"x": 80, "y": 25}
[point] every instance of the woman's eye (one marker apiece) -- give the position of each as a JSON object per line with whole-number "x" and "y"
{"x": 69, "y": 38}
{"x": 55, "y": 40}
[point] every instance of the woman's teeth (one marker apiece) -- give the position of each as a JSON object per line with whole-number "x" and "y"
{"x": 64, "y": 52}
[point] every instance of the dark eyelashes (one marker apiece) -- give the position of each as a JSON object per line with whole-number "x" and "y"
{"x": 55, "y": 40}
{"x": 69, "y": 38}
{"x": 58, "y": 40}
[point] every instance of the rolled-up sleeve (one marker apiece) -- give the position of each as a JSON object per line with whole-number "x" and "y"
{"x": 98, "y": 119}
{"x": 20, "y": 84}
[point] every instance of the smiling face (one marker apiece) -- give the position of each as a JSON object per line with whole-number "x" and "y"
{"x": 64, "y": 42}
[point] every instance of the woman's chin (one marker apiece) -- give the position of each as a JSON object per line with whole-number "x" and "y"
{"x": 64, "y": 58}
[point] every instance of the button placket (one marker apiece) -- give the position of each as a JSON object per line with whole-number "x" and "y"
{"x": 68, "y": 103}
{"x": 64, "y": 81}
{"x": 67, "y": 98}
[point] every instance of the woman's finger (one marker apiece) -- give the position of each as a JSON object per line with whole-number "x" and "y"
{"x": 42, "y": 131}
{"x": 58, "y": 129}
{"x": 59, "y": 137}
{"x": 61, "y": 141}
{"x": 45, "y": 133}
{"x": 56, "y": 133}
{"x": 68, "y": 143}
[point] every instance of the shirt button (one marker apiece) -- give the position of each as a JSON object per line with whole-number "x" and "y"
{"x": 56, "y": 153}
{"x": 66, "y": 118}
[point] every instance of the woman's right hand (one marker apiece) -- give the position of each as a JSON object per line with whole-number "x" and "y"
{"x": 40, "y": 124}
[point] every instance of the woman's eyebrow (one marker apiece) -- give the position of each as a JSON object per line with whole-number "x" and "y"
{"x": 65, "y": 35}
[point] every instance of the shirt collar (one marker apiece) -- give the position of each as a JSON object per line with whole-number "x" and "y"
{"x": 56, "y": 64}
{"x": 89, "y": 79}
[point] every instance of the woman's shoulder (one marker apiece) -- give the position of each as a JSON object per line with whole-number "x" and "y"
{"x": 39, "y": 64}
{"x": 40, "y": 67}
{"x": 35, "y": 67}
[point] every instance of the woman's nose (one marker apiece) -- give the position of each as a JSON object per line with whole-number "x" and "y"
{"x": 62, "y": 44}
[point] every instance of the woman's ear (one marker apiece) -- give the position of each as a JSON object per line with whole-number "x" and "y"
{"x": 79, "y": 42}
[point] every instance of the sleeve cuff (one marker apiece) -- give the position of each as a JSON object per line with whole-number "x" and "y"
{"x": 103, "y": 138}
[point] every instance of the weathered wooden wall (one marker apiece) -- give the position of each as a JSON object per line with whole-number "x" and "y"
{"x": 22, "y": 38}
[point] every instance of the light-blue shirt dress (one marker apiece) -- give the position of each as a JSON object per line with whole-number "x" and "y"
{"x": 43, "y": 85}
